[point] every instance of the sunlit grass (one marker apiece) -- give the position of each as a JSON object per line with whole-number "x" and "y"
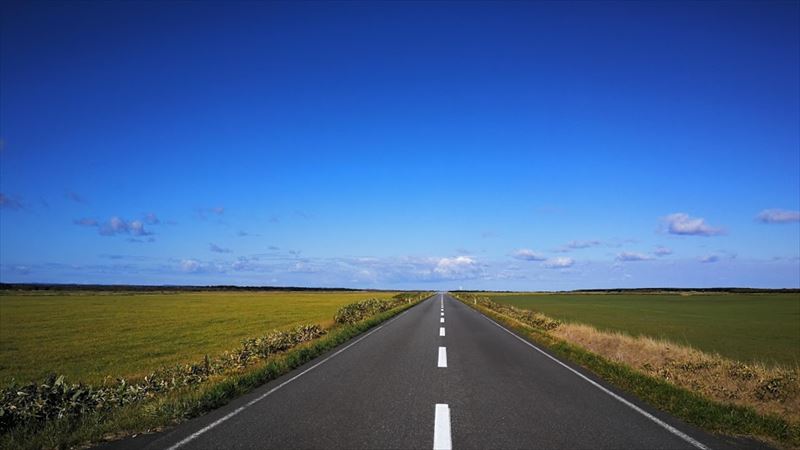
{"x": 747, "y": 327}
{"x": 87, "y": 336}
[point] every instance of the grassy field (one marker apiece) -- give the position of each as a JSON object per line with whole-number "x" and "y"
{"x": 89, "y": 335}
{"x": 746, "y": 327}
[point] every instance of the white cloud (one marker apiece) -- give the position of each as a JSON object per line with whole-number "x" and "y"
{"x": 194, "y": 266}
{"x": 528, "y": 255}
{"x": 778, "y": 216}
{"x": 717, "y": 256}
{"x": 662, "y": 251}
{"x": 117, "y": 225}
{"x": 560, "y": 262}
{"x": 137, "y": 228}
{"x": 683, "y": 224}
{"x": 459, "y": 265}
{"x": 190, "y": 265}
{"x": 582, "y": 244}
{"x": 632, "y": 256}
{"x": 113, "y": 226}
{"x": 244, "y": 263}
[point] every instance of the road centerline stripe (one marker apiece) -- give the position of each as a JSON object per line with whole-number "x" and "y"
{"x": 441, "y": 320}
{"x": 441, "y": 428}
{"x": 441, "y": 331}
{"x": 442, "y": 357}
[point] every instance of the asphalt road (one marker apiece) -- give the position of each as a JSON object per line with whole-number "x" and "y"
{"x": 440, "y": 375}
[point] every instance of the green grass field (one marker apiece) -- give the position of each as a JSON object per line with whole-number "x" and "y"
{"x": 746, "y": 327}
{"x": 89, "y": 335}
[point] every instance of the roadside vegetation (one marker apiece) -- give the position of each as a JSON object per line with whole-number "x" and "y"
{"x": 752, "y": 327}
{"x": 705, "y": 389}
{"x": 90, "y": 335}
{"x": 59, "y": 412}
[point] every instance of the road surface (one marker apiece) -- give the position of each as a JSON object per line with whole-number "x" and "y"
{"x": 440, "y": 375}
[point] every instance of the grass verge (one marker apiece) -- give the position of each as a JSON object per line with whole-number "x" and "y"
{"x": 178, "y": 406}
{"x": 753, "y": 328}
{"x": 682, "y": 403}
{"x": 90, "y": 335}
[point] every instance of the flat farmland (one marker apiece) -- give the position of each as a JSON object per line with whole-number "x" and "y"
{"x": 750, "y": 327}
{"x": 90, "y": 335}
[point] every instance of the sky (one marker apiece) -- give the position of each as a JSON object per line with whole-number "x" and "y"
{"x": 419, "y": 145}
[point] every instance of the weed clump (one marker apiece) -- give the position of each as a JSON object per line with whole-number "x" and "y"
{"x": 356, "y": 312}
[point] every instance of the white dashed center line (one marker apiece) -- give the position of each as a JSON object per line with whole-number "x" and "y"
{"x": 441, "y": 331}
{"x": 441, "y": 320}
{"x": 442, "y": 357}
{"x": 441, "y": 428}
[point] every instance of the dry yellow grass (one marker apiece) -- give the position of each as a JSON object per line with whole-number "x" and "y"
{"x": 87, "y": 336}
{"x": 773, "y": 390}
{"x": 769, "y": 390}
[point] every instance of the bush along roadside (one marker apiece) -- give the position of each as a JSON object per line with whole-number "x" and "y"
{"x": 54, "y": 413}
{"x": 705, "y": 390}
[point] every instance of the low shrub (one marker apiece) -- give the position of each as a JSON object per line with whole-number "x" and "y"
{"x": 356, "y": 312}
{"x": 530, "y": 318}
{"x": 54, "y": 398}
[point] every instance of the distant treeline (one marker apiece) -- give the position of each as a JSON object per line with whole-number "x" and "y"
{"x": 157, "y": 288}
{"x": 736, "y": 290}
{"x": 717, "y": 289}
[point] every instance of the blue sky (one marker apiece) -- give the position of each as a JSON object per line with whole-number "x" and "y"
{"x": 401, "y": 145}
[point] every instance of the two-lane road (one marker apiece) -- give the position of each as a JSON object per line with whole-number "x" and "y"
{"x": 440, "y": 375}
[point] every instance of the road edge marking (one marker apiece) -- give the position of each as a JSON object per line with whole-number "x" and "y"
{"x": 236, "y": 411}
{"x": 441, "y": 428}
{"x": 617, "y": 397}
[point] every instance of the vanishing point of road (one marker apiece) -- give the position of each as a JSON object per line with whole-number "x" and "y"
{"x": 440, "y": 375}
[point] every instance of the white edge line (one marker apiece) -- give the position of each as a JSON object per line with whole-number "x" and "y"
{"x": 655, "y": 419}
{"x": 441, "y": 428}
{"x": 236, "y": 411}
{"x": 442, "y": 357}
